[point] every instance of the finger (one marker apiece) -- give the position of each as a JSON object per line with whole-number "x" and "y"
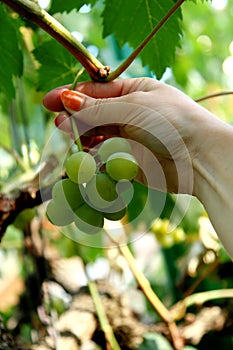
{"x": 52, "y": 100}
{"x": 74, "y": 101}
{"x": 55, "y": 100}
{"x": 114, "y": 88}
{"x": 62, "y": 122}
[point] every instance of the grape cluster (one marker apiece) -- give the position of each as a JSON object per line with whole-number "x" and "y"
{"x": 95, "y": 186}
{"x": 166, "y": 235}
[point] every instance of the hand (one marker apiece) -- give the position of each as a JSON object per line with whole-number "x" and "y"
{"x": 181, "y": 147}
{"x": 153, "y": 114}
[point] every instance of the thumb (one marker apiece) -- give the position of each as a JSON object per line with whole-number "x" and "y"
{"x": 89, "y": 112}
{"x": 99, "y": 111}
{"x": 74, "y": 101}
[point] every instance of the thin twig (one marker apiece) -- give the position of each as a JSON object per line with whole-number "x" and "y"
{"x": 104, "y": 323}
{"x": 76, "y": 134}
{"x": 202, "y": 297}
{"x": 179, "y": 309}
{"x": 216, "y": 94}
{"x": 72, "y": 118}
{"x": 154, "y": 300}
{"x": 202, "y": 277}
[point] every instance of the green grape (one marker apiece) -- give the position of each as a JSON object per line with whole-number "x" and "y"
{"x": 125, "y": 190}
{"x": 123, "y": 186}
{"x": 59, "y": 214}
{"x": 88, "y": 220}
{"x": 117, "y": 210}
{"x": 67, "y": 191}
{"x": 115, "y": 215}
{"x": 113, "y": 145}
{"x": 167, "y": 241}
{"x": 122, "y": 166}
{"x": 101, "y": 191}
{"x": 179, "y": 235}
{"x": 80, "y": 167}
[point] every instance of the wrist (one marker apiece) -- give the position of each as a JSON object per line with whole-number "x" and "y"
{"x": 213, "y": 170}
{"x": 212, "y": 159}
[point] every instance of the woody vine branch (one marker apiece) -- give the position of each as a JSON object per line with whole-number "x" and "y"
{"x": 97, "y": 71}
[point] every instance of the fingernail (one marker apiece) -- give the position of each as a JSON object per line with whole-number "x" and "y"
{"x": 71, "y": 100}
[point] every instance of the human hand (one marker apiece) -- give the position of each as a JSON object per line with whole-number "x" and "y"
{"x": 163, "y": 122}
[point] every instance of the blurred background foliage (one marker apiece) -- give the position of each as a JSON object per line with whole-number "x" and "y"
{"x": 189, "y": 258}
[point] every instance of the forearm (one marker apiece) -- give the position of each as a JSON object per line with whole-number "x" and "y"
{"x": 213, "y": 174}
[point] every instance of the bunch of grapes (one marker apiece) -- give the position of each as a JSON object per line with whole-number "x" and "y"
{"x": 95, "y": 186}
{"x": 166, "y": 235}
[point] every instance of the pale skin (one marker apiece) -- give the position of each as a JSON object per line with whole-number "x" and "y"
{"x": 160, "y": 116}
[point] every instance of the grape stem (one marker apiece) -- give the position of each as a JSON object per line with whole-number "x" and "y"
{"x": 73, "y": 122}
{"x": 76, "y": 134}
{"x": 80, "y": 72}
{"x": 154, "y": 300}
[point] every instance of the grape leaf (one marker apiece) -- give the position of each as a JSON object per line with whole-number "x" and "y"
{"x": 67, "y": 6}
{"x": 11, "y": 57}
{"x": 58, "y": 67}
{"x": 131, "y": 21}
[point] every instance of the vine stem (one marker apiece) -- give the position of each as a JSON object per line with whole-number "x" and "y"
{"x": 119, "y": 70}
{"x": 72, "y": 119}
{"x": 94, "y": 67}
{"x": 154, "y": 300}
{"x": 202, "y": 297}
{"x": 202, "y": 277}
{"x": 80, "y": 72}
{"x": 179, "y": 309}
{"x": 216, "y": 94}
{"x": 76, "y": 134}
{"x": 34, "y": 13}
{"x": 104, "y": 323}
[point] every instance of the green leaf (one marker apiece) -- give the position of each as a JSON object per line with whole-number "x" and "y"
{"x": 58, "y": 67}
{"x": 131, "y": 21}
{"x": 11, "y": 57}
{"x": 154, "y": 341}
{"x": 67, "y": 6}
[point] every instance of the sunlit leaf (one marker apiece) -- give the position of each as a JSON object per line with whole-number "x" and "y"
{"x": 131, "y": 21}
{"x": 67, "y": 6}
{"x": 10, "y": 54}
{"x": 58, "y": 67}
